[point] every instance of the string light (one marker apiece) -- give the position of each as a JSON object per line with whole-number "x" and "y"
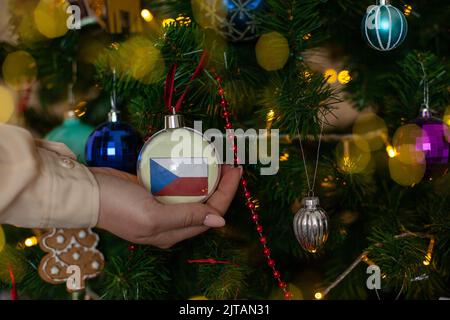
{"x": 270, "y": 116}
{"x": 146, "y": 15}
{"x": 284, "y": 156}
{"x": 183, "y": 20}
{"x": 367, "y": 260}
{"x": 391, "y": 151}
{"x": 30, "y": 242}
{"x": 331, "y": 75}
{"x": 407, "y": 9}
{"x": 167, "y": 22}
{"x": 318, "y": 296}
{"x": 429, "y": 255}
{"x": 344, "y": 77}
{"x": 307, "y": 36}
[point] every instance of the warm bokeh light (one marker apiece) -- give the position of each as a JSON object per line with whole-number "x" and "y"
{"x": 344, "y": 77}
{"x": 407, "y": 9}
{"x": 167, "y": 22}
{"x": 284, "y": 156}
{"x": 272, "y": 51}
{"x": 404, "y": 142}
{"x": 7, "y": 108}
{"x": 307, "y": 36}
{"x": 318, "y": 296}
{"x": 330, "y": 75}
{"x": 353, "y": 155}
{"x": 50, "y": 17}
{"x": 31, "y": 241}
{"x": 209, "y": 14}
{"x": 183, "y": 20}
{"x": 270, "y": 116}
{"x": 146, "y": 15}
{"x": 19, "y": 69}
{"x": 405, "y": 174}
{"x": 372, "y": 129}
{"x": 392, "y": 153}
{"x": 138, "y": 58}
{"x": 447, "y": 116}
{"x": 2, "y": 239}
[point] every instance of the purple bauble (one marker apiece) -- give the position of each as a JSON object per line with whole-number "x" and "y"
{"x": 434, "y": 143}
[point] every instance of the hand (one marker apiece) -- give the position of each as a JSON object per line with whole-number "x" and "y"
{"x": 129, "y": 211}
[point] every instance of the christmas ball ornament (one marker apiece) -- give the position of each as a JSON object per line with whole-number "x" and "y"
{"x": 311, "y": 225}
{"x": 433, "y": 143}
{"x": 113, "y": 144}
{"x": 73, "y": 133}
{"x": 178, "y": 164}
{"x": 240, "y": 22}
{"x": 384, "y": 27}
{"x": 233, "y": 19}
{"x": 272, "y": 51}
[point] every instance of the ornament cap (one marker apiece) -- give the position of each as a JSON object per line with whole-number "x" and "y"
{"x": 310, "y": 202}
{"x": 425, "y": 112}
{"x": 113, "y": 116}
{"x": 173, "y": 121}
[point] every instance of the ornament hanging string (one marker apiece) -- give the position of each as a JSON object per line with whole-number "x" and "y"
{"x": 169, "y": 87}
{"x": 13, "y": 283}
{"x": 426, "y": 93}
{"x": 310, "y": 186}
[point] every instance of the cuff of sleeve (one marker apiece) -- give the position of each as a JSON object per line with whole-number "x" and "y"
{"x": 73, "y": 197}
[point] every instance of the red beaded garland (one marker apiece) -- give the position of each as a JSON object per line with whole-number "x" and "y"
{"x": 250, "y": 205}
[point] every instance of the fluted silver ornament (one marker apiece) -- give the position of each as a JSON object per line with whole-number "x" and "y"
{"x": 311, "y": 225}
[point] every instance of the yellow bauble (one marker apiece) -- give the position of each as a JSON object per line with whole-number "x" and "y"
{"x": 6, "y": 108}
{"x": 272, "y": 51}
{"x": 2, "y": 239}
{"x": 50, "y": 17}
{"x": 19, "y": 68}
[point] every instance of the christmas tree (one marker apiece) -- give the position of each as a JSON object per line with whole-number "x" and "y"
{"x": 350, "y": 106}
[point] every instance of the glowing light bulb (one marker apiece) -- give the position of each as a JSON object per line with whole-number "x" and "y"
{"x": 30, "y": 242}
{"x": 407, "y": 9}
{"x": 331, "y": 75}
{"x": 307, "y": 36}
{"x": 167, "y": 22}
{"x": 344, "y": 77}
{"x": 270, "y": 115}
{"x": 146, "y": 15}
{"x": 392, "y": 153}
{"x": 318, "y": 295}
{"x": 284, "y": 157}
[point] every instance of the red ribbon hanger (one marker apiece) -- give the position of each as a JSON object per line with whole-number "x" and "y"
{"x": 169, "y": 87}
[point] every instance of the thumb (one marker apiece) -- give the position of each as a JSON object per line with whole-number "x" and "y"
{"x": 177, "y": 216}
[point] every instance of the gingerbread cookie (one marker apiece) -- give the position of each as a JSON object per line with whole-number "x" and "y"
{"x": 72, "y": 255}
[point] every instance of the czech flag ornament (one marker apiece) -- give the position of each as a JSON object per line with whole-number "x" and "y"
{"x": 179, "y": 165}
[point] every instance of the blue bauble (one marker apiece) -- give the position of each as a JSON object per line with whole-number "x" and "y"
{"x": 114, "y": 145}
{"x": 240, "y": 24}
{"x": 384, "y": 27}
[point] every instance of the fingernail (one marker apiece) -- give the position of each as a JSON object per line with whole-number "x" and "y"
{"x": 214, "y": 221}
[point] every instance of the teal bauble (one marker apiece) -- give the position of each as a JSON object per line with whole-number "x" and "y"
{"x": 384, "y": 27}
{"x": 74, "y": 134}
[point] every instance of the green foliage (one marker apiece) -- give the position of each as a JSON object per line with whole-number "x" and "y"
{"x": 140, "y": 275}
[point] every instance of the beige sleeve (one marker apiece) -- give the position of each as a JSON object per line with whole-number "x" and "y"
{"x": 42, "y": 186}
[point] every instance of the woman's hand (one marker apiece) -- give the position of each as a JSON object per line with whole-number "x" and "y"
{"x": 129, "y": 211}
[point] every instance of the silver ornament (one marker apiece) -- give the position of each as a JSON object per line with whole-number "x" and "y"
{"x": 311, "y": 225}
